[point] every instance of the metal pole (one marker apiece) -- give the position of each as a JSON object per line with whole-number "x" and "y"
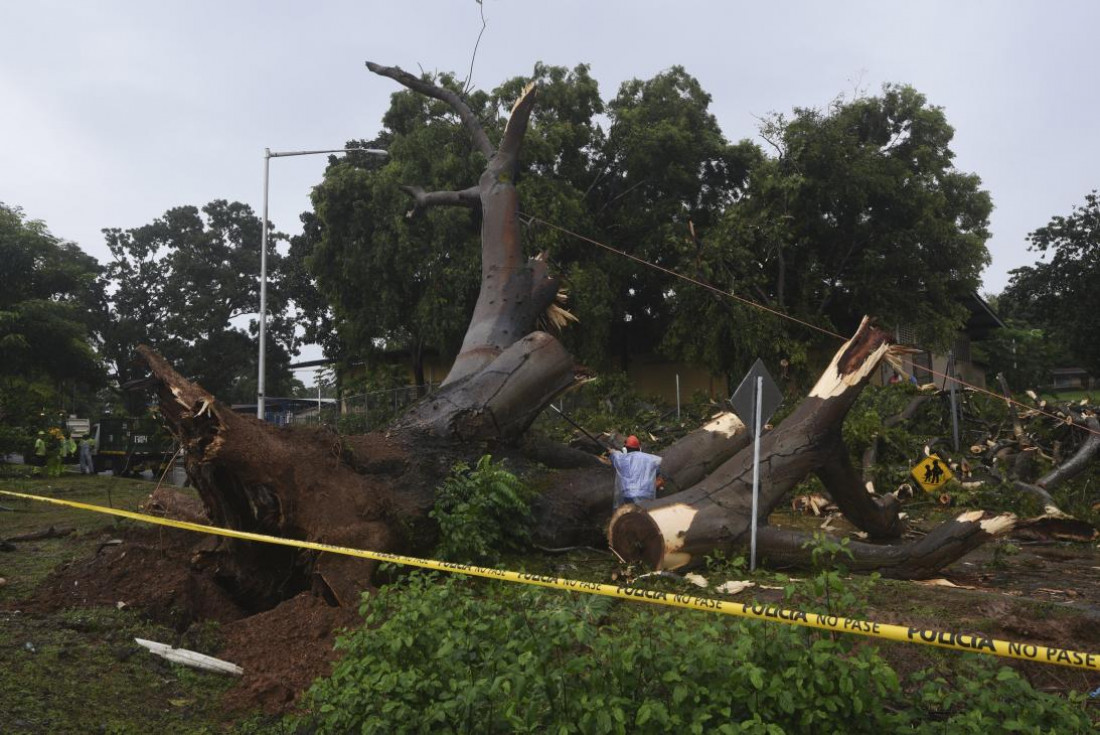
{"x": 756, "y": 467}
{"x": 261, "y": 380}
{"x": 954, "y": 402}
{"x": 677, "y": 396}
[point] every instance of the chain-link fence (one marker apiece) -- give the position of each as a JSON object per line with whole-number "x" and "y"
{"x": 366, "y": 411}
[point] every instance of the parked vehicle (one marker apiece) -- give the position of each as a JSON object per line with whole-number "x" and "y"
{"x": 127, "y": 446}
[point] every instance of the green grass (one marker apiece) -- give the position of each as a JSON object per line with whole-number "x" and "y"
{"x": 79, "y": 670}
{"x": 25, "y": 568}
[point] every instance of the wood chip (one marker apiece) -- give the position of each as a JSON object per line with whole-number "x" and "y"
{"x": 941, "y": 582}
{"x": 733, "y": 587}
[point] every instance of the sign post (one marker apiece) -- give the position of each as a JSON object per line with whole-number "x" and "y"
{"x": 755, "y": 401}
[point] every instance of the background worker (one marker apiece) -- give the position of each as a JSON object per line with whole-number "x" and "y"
{"x": 68, "y": 448}
{"x": 87, "y": 466}
{"x": 40, "y": 449}
{"x": 636, "y": 477}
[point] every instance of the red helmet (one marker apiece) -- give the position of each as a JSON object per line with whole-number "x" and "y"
{"x": 633, "y": 443}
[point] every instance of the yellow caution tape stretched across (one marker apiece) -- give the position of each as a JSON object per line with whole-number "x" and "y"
{"x": 972, "y": 642}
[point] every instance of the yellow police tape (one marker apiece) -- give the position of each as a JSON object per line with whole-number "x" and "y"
{"x": 972, "y": 642}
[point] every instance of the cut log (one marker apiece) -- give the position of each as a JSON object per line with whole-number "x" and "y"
{"x": 715, "y": 514}
{"x": 575, "y": 510}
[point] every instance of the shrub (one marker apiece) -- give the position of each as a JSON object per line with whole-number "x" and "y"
{"x": 464, "y": 656}
{"x": 481, "y": 512}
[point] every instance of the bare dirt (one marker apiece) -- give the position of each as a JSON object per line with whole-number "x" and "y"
{"x": 1047, "y": 594}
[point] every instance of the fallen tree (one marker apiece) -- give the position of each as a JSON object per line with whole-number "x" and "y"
{"x": 715, "y": 514}
{"x": 376, "y": 490}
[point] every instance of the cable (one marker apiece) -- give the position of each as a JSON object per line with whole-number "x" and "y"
{"x": 689, "y": 279}
{"x": 749, "y": 302}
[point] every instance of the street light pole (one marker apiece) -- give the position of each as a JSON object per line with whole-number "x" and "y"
{"x": 268, "y": 155}
{"x": 262, "y": 379}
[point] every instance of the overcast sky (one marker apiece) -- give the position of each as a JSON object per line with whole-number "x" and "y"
{"x": 113, "y": 112}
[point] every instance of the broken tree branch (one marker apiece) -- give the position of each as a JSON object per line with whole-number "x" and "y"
{"x": 422, "y": 200}
{"x": 1078, "y": 462}
{"x": 473, "y": 125}
{"x": 51, "y": 532}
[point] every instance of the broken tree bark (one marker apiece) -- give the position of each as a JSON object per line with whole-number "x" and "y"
{"x": 715, "y": 514}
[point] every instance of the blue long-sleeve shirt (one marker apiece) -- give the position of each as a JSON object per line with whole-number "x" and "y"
{"x": 635, "y": 476}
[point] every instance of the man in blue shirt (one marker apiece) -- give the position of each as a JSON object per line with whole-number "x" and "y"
{"x": 635, "y": 473}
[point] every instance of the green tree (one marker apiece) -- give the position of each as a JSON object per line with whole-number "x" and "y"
{"x": 50, "y": 302}
{"x": 423, "y": 265}
{"x": 1059, "y": 295}
{"x": 859, "y": 210}
{"x": 666, "y": 168}
{"x": 183, "y": 282}
{"x": 639, "y": 180}
{"x": 394, "y": 282}
{"x": 854, "y": 201}
{"x": 1025, "y": 354}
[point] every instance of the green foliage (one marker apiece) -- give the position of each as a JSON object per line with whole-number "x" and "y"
{"x": 984, "y": 696}
{"x": 858, "y": 197}
{"x": 50, "y": 305}
{"x": 899, "y": 444}
{"x": 1059, "y": 295}
{"x": 1024, "y": 354}
{"x": 481, "y": 511}
{"x": 177, "y": 283}
{"x": 827, "y": 554}
{"x": 464, "y": 656}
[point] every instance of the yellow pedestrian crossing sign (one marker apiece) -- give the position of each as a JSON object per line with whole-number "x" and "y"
{"x": 932, "y": 473}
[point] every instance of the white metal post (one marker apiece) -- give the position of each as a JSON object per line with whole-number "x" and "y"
{"x": 954, "y": 400}
{"x": 261, "y": 379}
{"x": 756, "y": 468}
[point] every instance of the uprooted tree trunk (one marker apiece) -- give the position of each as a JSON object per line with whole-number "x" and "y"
{"x": 376, "y": 490}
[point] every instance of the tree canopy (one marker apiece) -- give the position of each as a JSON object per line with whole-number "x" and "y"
{"x": 822, "y": 224}
{"x": 1059, "y": 295}
{"x": 50, "y": 300}
{"x": 184, "y": 283}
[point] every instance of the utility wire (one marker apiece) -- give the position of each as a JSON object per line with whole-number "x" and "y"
{"x": 776, "y": 312}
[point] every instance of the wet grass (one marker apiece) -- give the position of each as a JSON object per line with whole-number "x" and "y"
{"x": 25, "y": 568}
{"x": 79, "y": 670}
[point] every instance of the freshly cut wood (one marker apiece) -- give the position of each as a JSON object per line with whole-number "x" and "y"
{"x": 190, "y": 658}
{"x": 715, "y": 513}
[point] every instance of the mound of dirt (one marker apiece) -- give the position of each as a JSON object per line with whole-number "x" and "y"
{"x": 283, "y": 650}
{"x": 143, "y": 568}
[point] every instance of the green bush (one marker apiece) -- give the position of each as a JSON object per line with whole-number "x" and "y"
{"x": 465, "y": 656}
{"x": 481, "y": 512}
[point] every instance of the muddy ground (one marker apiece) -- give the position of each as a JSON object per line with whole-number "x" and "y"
{"x": 1046, "y": 593}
